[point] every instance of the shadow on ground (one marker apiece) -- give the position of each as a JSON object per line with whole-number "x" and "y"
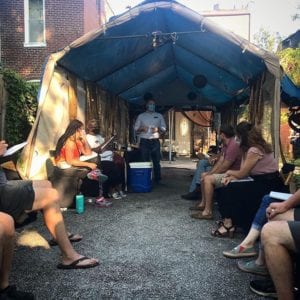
{"x": 149, "y": 248}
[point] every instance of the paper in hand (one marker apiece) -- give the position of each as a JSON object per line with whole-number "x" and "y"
{"x": 14, "y": 149}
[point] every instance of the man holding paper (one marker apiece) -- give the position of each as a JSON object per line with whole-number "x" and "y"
{"x": 149, "y": 126}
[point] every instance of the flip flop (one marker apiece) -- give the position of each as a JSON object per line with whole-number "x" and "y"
{"x": 200, "y": 216}
{"x": 74, "y": 264}
{"x": 71, "y": 237}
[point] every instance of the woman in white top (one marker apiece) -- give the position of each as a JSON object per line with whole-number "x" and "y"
{"x": 113, "y": 186}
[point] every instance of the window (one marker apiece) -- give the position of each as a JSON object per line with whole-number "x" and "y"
{"x": 34, "y": 23}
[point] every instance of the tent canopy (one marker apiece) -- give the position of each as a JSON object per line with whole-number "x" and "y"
{"x": 169, "y": 50}
{"x": 162, "y": 47}
{"x": 290, "y": 93}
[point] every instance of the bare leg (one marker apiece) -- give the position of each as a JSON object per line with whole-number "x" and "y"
{"x": 202, "y": 201}
{"x": 7, "y": 242}
{"x": 208, "y": 191}
{"x": 278, "y": 242}
{"x": 260, "y": 260}
{"x": 251, "y": 238}
{"x": 47, "y": 199}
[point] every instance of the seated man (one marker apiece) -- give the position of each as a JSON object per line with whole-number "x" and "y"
{"x": 19, "y": 196}
{"x": 279, "y": 239}
{"x": 204, "y": 165}
{"x": 230, "y": 159}
{"x": 7, "y": 245}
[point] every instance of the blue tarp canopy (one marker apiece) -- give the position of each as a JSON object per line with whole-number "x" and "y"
{"x": 161, "y": 47}
{"x": 290, "y": 93}
{"x": 165, "y": 48}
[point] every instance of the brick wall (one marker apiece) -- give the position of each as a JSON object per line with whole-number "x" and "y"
{"x": 64, "y": 24}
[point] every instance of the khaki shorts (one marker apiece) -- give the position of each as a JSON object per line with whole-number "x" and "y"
{"x": 218, "y": 180}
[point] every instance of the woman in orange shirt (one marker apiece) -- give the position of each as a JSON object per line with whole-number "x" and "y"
{"x": 70, "y": 146}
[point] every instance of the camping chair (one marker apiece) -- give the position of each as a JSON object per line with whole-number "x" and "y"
{"x": 287, "y": 172}
{"x": 66, "y": 181}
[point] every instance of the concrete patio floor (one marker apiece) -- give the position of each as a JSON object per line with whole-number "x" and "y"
{"x": 148, "y": 246}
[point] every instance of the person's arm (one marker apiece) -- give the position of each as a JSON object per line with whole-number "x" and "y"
{"x": 276, "y": 208}
{"x": 139, "y": 127}
{"x": 217, "y": 166}
{"x": 162, "y": 127}
{"x": 85, "y": 147}
{"x": 224, "y": 166}
{"x": 251, "y": 159}
{"x": 244, "y": 171}
{"x": 3, "y": 147}
{"x": 71, "y": 148}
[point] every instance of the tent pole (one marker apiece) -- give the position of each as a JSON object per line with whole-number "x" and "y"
{"x": 170, "y": 135}
{"x": 171, "y": 124}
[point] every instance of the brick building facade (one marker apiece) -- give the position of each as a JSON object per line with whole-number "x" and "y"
{"x": 60, "y": 23}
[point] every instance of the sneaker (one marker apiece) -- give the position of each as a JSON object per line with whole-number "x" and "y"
{"x": 11, "y": 293}
{"x": 191, "y": 196}
{"x": 122, "y": 194}
{"x": 102, "y": 202}
{"x": 116, "y": 196}
{"x": 252, "y": 267}
{"x": 97, "y": 175}
{"x": 94, "y": 174}
{"x": 264, "y": 288}
{"x": 240, "y": 251}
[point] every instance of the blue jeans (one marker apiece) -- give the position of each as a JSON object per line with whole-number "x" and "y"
{"x": 203, "y": 165}
{"x": 150, "y": 150}
{"x": 260, "y": 218}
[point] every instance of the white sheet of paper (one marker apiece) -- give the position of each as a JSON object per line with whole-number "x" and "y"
{"x": 280, "y": 196}
{"x": 14, "y": 149}
{"x": 243, "y": 179}
{"x": 87, "y": 157}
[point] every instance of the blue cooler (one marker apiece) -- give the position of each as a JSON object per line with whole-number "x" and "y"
{"x": 140, "y": 177}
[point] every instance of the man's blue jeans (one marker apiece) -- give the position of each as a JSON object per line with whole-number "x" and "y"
{"x": 203, "y": 165}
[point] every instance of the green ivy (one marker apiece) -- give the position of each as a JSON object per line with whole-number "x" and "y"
{"x": 21, "y": 106}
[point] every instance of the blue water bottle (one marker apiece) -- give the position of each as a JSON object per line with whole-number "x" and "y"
{"x": 79, "y": 204}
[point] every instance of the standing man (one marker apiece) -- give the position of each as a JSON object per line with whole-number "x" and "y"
{"x": 149, "y": 126}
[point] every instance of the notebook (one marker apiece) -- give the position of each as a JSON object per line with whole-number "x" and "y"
{"x": 280, "y": 196}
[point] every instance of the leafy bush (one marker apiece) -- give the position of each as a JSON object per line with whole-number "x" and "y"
{"x": 289, "y": 60}
{"x": 21, "y": 106}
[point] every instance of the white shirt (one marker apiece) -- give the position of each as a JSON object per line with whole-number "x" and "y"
{"x": 150, "y": 120}
{"x": 97, "y": 140}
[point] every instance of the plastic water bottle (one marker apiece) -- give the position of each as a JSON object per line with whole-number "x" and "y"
{"x": 79, "y": 204}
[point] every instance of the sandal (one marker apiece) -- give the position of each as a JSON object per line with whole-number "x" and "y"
{"x": 75, "y": 264}
{"x": 199, "y": 215}
{"x": 200, "y": 208}
{"x": 72, "y": 237}
{"x": 228, "y": 233}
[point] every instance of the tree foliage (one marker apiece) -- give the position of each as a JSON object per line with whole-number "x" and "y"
{"x": 21, "y": 106}
{"x": 267, "y": 40}
{"x": 290, "y": 62}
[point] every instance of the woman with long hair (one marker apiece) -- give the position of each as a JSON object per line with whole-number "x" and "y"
{"x": 70, "y": 146}
{"x": 239, "y": 200}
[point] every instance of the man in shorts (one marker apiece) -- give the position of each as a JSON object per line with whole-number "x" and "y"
{"x": 19, "y": 196}
{"x": 230, "y": 159}
{"x": 280, "y": 239}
